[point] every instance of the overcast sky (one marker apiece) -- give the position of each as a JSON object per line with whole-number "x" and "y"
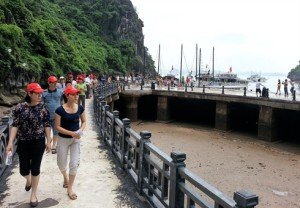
{"x": 248, "y": 35}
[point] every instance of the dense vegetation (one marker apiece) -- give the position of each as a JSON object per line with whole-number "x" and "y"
{"x": 295, "y": 73}
{"x": 43, "y": 37}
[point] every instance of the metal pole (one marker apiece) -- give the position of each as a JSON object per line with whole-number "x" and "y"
{"x": 158, "y": 64}
{"x": 196, "y": 59}
{"x": 144, "y": 72}
{"x": 199, "y": 67}
{"x": 180, "y": 64}
{"x": 213, "y": 64}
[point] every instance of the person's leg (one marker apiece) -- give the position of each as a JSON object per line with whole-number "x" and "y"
{"x": 62, "y": 149}
{"x": 24, "y": 162}
{"x": 73, "y": 166}
{"x": 37, "y": 152}
{"x": 54, "y": 137}
{"x": 34, "y": 185}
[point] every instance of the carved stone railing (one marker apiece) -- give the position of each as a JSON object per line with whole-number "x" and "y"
{"x": 163, "y": 180}
{"x": 4, "y": 137}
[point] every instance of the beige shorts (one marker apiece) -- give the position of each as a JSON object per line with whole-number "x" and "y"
{"x": 64, "y": 146}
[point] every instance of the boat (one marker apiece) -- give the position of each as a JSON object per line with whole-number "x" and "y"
{"x": 227, "y": 79}
{"x": 256, "y": 77}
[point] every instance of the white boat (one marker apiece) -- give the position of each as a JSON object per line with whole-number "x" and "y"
{"x": 256, "y": 77}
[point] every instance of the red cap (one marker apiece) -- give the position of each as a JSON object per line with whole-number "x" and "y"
{"x": 71, "y": 90}
{"x": 80, "y": 77}
{"x": 34, "y": 87}
{"x": 52, "y": 79}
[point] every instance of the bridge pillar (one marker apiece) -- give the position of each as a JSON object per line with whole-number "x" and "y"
{"x": 163, "y": 112}
{"x": 131, "y": 108}
{"x": 222, "y": 116}
{"x": 266, "y": 123}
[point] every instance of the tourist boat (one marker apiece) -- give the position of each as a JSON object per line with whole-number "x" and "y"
{"x": 256, "y": 77}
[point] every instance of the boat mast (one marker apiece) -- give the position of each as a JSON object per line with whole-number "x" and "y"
{"x": 213, "y": 64}
{"x": 181, "y": 63}
{"x": 199, "y": 66}
{"x": 196, "y": 59}
{"x": 158, "y": 59}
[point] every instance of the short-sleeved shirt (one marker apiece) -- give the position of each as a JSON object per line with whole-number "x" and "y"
{"x": 52, "y": 99}
{"x": 31, "y": 121}
{"x": 69, "y": 121}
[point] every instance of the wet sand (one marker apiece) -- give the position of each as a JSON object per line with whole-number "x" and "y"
{"x": 231, "y": 161}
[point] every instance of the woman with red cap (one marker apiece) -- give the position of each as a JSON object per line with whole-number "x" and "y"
{"x": 31, "y": 124}
{"x": 70, "y": 121}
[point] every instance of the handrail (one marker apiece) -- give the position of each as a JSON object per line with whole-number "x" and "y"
{"x": 163, "y": 180}
{"x": 4, "y": 138}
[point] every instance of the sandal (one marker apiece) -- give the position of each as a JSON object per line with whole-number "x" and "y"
{"x": 65, "y": 185}
{"x": 72, "y": 196}
{"x": 53, "y": 150}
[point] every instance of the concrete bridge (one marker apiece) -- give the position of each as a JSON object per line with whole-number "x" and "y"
{"x": 268, "y": 118}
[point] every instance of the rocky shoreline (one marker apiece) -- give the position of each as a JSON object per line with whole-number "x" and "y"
{"x": 7, "y": 101}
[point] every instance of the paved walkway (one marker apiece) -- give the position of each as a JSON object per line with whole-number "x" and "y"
{"x": 99, "y": 183}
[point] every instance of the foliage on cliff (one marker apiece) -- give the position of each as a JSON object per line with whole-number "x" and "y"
{"x": 42, "y": 37}
{"x": 294, "y": 74}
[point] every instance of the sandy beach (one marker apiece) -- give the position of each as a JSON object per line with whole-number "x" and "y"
{"x": 231, "y": 161}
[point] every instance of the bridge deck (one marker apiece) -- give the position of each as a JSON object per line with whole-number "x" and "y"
{"x": 99, "y": 183}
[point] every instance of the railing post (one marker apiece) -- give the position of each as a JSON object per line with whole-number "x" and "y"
{"x": 203, "y": 88}
{"x": 245, "y": 199}
{"x": 176, "y": 196}
{"x": 168, "y": 86}
{"x": 245, "y": 90}
{"x": 192, "y": 86}
{"x": 223, "y": 90}
{"x": 185, "y": 87}
{"x": 104, "y": 122}
{"x": 145, "y": 138}
{"x": 294, "y": 95}
{"x": 115, "y": 115}
{"x": 141, "y": 86}
{"x": 124, "y": 144}
{"x": 5, "y": 121}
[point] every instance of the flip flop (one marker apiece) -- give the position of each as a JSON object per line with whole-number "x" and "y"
{"x": 53, "y": 150}
{"x": 27, "y": 188}
{"x": 65, "y": 185}
{"x": 72, "y": 196}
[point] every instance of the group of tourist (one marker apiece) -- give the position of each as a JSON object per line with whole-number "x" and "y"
{"x": 285, "y": 87}
{"x": 285, "y": 84}
{"x": 61, "y": 107}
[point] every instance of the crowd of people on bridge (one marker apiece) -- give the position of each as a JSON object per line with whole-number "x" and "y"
{"x": 51, "y": 119}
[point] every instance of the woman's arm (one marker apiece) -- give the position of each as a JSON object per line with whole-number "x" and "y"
{"x": 83, "y": 121}
{"x": 49, "y": 139}
{"x": 12, "y": 136}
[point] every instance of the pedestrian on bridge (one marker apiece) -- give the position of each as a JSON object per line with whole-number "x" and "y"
{"x": 52, "y": 97}
{"x": 70, "y": 121}
{"x": 258, "y": 90}
{"x": 31, "y": 124}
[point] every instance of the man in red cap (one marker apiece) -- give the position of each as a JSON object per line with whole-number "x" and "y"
{"x": 52, "y": 97}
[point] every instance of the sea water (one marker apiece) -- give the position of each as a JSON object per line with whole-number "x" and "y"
{"x": 270, "y": 83}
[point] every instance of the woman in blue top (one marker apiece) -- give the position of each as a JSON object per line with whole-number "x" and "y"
{"x": 70, "y": 121}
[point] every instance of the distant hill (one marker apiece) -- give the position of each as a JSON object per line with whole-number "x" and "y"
{"x": 43, "y": 37}
{"x": 294, "y": 74}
